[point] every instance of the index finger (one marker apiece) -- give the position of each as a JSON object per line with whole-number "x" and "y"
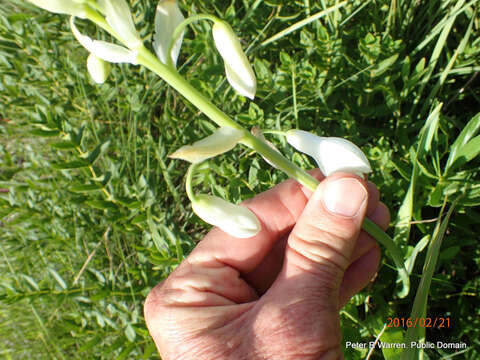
{"x": 277, "y": 209}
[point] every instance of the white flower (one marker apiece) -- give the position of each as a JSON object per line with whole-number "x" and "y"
{"x": 235, "y": 220}
{"x": 168, "y": 16}
{"x": 119, "y": 17}
{"x": 332, "y": 154}
{"x": 222, "y": 140}
{"x": 237, "y": 67}
{"x": 70, "y": 7}
{"x": 98, "y": 69}
{"x": 104, "y": 50}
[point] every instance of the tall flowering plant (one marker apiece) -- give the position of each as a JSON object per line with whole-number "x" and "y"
{"x": 331, "y": 154}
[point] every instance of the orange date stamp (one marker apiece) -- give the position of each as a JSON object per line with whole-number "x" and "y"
{"x": 437, "y": 322}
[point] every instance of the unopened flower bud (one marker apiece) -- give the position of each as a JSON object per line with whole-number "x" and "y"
{"x": 168, "y": 17}
{"x": 222, "y": 140}
{"x": 235, "y": 220}
{"x": 97, "y": 68}
{"x": 237, "y": 67}
{"x": 332, "y": 154}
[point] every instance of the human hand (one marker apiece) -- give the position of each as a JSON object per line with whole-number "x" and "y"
{"x": 278, "y": 294}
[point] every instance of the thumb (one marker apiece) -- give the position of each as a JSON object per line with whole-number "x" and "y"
{"x": 321, "y": 244}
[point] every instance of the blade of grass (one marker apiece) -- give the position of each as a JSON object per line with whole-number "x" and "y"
{"x": 404, "y": 216}
{"x": 417, "y": 333}
{"x": 302, "y": 23}
{"x": 441, "y": 42}
{"x": 460, "y": 49}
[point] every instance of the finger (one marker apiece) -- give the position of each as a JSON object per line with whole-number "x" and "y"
{"x": 321, "y": 245}
{"x": 262, "y": 277}
{"x": 277, "y": 209}
{"x": 359, "y": 274}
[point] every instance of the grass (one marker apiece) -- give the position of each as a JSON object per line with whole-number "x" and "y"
{"x": 93, "y": 214}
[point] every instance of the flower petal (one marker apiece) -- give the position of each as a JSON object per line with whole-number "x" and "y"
{"x": 97, "y": 68}
{"x": 104, "y": 50}
{"x": 168, "y": 16}
{"x": 237, "y": 67}
{"x": 332, "y": 154}
{"x": 235, "y": 220}
{"x": 119, "y": 17}
{"x": 337, "y": 154}
{"x": 222, "y": 140}
{"x": 75, "y": 8}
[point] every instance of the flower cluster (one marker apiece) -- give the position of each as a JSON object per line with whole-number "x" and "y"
{"x": 331, "y": 154}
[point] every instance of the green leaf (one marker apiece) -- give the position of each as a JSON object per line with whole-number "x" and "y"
{"x": 419, "y": 309}
{"x": 404, "y": 216}
{"x": 58, "y": 278}
{"x": 467, "y": 133}
{"x": 101, "y": 204}
{"x": 45, "y": 133}
{"x": 383, "y": 66}
{"x": 76, "y": 164}
{"x": 63, "y": 145}
{"x": 85, "y": 188}
{"x": 95, "y": 153}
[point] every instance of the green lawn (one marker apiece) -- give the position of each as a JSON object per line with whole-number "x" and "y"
{"x": 93, "y": 213}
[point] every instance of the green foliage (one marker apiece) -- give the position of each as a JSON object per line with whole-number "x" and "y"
{"x": 93, "y": 213}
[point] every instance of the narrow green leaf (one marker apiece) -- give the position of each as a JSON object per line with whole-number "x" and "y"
{"x": 383, "y": 66}
{"x": 63, "y": 145}
{"x": 80, "y": 188}
{"x": 58, "y": 278}
{"x": 95, "y": 153}
{"x": 76, "y": 164}
{"x": 45, "y": 133}
{"x": 101, "y": 204}
{"x": 303, "y": 23}
{"x": 410, "y": 262}
{"x": 404, "y": 216}
{"x": 467, "y": 133}
{"x": 415, "y": 334}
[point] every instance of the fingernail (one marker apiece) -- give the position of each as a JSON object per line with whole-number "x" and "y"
{"x": 344, "y": 197}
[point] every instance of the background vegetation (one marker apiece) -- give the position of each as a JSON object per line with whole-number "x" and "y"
{"x": 93, "y": 214}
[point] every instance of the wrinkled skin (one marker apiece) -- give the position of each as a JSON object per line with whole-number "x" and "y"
{"x": 276, "y": 295}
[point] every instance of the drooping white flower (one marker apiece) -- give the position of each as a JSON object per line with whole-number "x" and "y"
{"x": 237, "y": 67}
{"x": 168, "y": 16}
{"x": 222, "y": 140}
{"x": 70, "y": 7}
{"x": 235, "y": 220}
{"x": 119, "y": 17}
{"x": 332, "y": 154}
{"x": 98, "y": 68}
{"x": 104, "y": 50}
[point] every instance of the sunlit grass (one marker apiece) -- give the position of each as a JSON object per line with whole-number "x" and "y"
{"x": 93, "y": 214}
